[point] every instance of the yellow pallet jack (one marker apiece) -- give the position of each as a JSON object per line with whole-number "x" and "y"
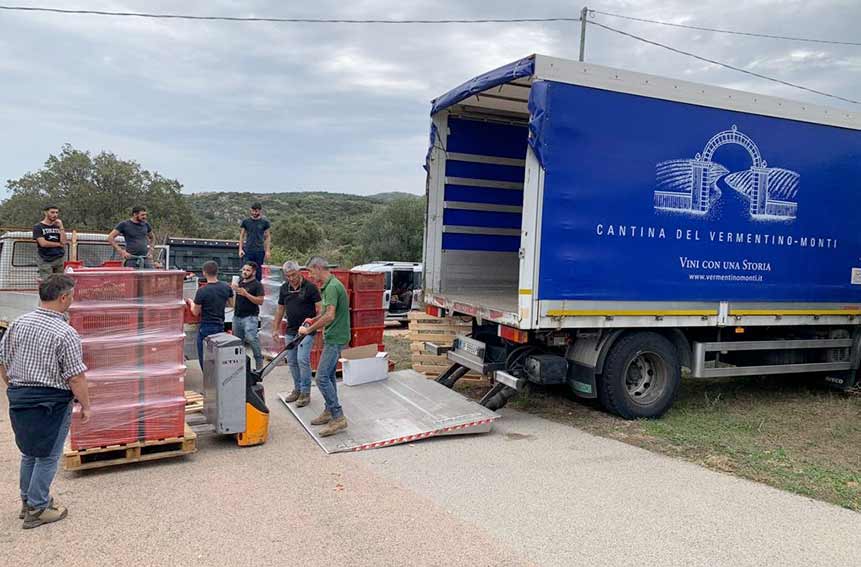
{"x": 233, "y": 394}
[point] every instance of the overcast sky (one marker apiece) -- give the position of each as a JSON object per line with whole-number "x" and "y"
{"x": 284, "y": 107}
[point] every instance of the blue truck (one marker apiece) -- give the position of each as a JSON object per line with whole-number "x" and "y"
{"x": 606, "y": 229}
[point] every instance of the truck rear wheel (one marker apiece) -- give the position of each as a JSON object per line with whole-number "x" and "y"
{"x": 641, "y": 376}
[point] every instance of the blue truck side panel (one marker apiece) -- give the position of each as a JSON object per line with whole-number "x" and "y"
{"x": 654, "y": 200}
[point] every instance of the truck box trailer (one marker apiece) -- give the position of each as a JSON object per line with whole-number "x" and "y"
{"x": 606, "y": 228}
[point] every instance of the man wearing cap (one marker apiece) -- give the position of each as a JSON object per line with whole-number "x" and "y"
{"x": 255, "y": 239}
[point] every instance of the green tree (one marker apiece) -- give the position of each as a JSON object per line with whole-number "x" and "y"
{"x": 296, "y": 233}
{"x": 94, "y": 193}
{"x": 395, "y": 231}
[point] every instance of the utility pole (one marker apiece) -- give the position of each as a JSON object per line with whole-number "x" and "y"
{"x": 583, "y": 13}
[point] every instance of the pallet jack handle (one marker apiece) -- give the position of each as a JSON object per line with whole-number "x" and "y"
{"x": 263, "y": 372}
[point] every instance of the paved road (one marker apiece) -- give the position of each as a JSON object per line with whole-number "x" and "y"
{"x": 531, "y": 493}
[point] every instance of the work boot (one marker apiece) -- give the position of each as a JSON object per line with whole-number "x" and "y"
{"x": 334, "y": 426}
{"x": 292, "y": 397}
{"x": 24, "y": 509}
{"x": 51, "y": 514}
{"x": 304, "y": 400}
{"x": 322, "y": 419}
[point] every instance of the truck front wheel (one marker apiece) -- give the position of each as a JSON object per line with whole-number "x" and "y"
{"x": 641, "y": 376}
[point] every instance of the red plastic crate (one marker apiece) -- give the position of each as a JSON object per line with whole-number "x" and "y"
{"x": 169, "y": 383}
{"x": 133, "y": 352}
{"x": 117, "y": 320}
{"x": 368, "y": 318}
{"x": 112, "y": 320}
{"x": 102, "y": 286}
{"x": 367, "y": 336}
{"x": 165, "y": 318}
{"x": 161, "y": 284}
{"x": 344, "y": 277}
{"x": 113, "y": 389}
{"x": 109, "y": 424}
{"x": 368, "y": 281}
{"x": 163, "y": 417}
{"x": 368, "y": 299}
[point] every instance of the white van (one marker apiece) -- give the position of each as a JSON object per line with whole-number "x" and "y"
{"x": 403, "y": 291}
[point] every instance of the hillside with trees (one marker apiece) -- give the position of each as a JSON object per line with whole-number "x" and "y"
{"x": 94, "y": 192}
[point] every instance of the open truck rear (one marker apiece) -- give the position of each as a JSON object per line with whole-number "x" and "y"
{"x": 606, "y": 228}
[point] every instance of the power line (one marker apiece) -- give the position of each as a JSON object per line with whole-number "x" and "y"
{"x": 726, "y": 65}
{"x": 282, "y": 20}
{"x": 733, "y": 32}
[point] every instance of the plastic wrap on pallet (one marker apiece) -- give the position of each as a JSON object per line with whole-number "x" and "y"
{"x": 127, "y": 319}
{"x": 123, "y": 285}
{"x": 271, "y": 287}
{"x": 131, "y": 328}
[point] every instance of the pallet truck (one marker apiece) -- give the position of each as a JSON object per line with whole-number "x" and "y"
{"x": 233, "y": 395}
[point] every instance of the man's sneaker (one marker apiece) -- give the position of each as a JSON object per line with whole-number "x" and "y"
{"x": 51, "y": 514}
{"x": 24, "y": 509}
{"x": 304, "y": 400}
{"x": 334, "y": 426}
{"x": 292, "y": 396}
{"x": 322, "y": 419}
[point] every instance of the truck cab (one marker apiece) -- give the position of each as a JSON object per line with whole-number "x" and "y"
{"x": 189, "y": 254}
{"x": 403, "y": 291}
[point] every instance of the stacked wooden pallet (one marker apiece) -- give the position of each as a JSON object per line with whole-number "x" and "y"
{"x": 193, "y": 402}
{"x": 438, "y": 330}
{"x": 124, "y": 453}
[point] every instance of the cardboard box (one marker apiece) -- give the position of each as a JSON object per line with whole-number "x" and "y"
{"x": 362, "y": 365}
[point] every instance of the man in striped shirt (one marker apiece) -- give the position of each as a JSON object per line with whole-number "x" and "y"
{"x": 41, "y": 362}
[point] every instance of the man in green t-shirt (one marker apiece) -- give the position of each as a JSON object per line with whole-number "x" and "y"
{"x": 334, "y": 318}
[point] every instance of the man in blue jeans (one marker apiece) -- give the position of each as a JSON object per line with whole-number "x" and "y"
{"x": 335, "y": 320}
{"x": 300, "y": 300}
{"x": 255, "y": 239}
{"x": 41, "y": 362}
{"x": 249, "y": 297}
{"x": 209, "y": 302}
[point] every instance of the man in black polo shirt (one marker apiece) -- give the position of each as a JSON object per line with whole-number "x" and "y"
{"x": 50, "y": 237}
{"x": 301, "y": 300}
{"x": 249, "y": 297}
{"x": 254, "y": 238}
{"x": 138, "y": 236}
{"x": 209, "y": 302}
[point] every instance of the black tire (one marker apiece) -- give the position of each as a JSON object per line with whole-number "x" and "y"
{"x": 641, "y": 376}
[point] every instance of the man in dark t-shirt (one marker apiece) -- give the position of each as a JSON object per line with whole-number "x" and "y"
{"x": 209, "y": 302}
{"x": 300, "y": 300}
{"x": 255, "y": 239}
{"x": 138, "y": 236}
{"x": 50, "y": 237}
{"x": 249, "y": 297}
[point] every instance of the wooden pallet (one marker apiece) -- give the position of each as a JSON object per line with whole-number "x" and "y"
{"x": 193, "y": 402}
{"x": 99, "y": 457}
{"x": 440, "y": 330}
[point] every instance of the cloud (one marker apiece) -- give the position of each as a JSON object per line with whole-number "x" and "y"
{"x": 267, "y": 106}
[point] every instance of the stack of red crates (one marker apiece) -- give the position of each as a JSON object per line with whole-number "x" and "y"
{"x": 367, "y": 312}
{"x": 131, "y": 327}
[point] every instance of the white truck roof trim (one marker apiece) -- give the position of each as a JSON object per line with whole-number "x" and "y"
{"x": 618, "y": 80}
